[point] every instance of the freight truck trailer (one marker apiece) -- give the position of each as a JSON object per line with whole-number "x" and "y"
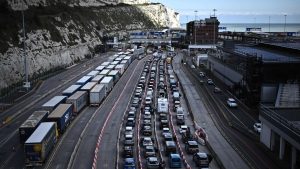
{"x": 108, "y": 81}
{"x": 33, "y": 121}
{"x": 38, "y": 146}
{"x": 78, "y": 100}
{"x": 97, "y": 94}
{"x": 62, "y": 116}
{"x": 53, "y": 103}
{"x": 71, "y": 90}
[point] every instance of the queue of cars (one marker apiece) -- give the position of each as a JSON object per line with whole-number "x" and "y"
{"x": 142, "y": 101}
{"x": 40, "y": 132}
{"x": 152, "y": 89}
{"x": 201, "y": 159}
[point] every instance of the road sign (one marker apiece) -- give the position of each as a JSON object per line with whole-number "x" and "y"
{"x": 26, "y": 85}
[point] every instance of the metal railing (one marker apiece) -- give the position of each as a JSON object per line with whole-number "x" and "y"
{"x": 280, "y": 122}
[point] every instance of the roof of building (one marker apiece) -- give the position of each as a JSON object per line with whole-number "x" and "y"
{"x": 266, "y": 55}
{"x": 288, "y": 45}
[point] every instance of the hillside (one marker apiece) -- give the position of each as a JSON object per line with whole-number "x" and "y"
{"x": 59, "y": 34}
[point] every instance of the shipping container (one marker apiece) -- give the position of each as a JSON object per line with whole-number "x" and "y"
{"x": 33, "y": 121}
{"x": 100, "y": 68}
{"x": 62, "y": 116}
{"x": 115, "y": 74}
{"x": 105, "y": 64}
{"x": 104, "y": 72}
{"x": 38, "y": 146}
{"x": 71, "y": 90}
{"x": 53, "y": 103}
{"x": 120, "y": 68}
{"x": 84, "y": 80}
{"x": 97, "y": 94}
{"x": 78, "y": 100}
{"x": 93, "y": 73}
{"x": 97, "y": 78}
{"x": 108, "y": 81}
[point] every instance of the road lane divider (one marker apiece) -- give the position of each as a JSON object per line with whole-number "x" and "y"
{"x": 94, "y": 165}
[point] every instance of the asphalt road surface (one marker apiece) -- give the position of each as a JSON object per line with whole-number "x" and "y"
{"x": 18, "y": 113}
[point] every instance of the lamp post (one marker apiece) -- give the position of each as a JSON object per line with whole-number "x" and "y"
{"x": 284, "y": 23}
{"x": 195, "y": 25}
{"x": 214, "y": 27}
{"x": 26, "y": 83}
{"x": 269, "y": 24}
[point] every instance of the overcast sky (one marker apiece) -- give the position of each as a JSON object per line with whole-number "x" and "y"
{"x": 237, "y": 11}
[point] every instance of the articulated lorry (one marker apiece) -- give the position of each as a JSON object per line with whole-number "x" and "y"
{"x": 33, "y": 121}
{"x": 78, "y": 100}
{"x": 97, "y": 94}
{"x": 38, "y": 146}
{"x": 62, "y": 116}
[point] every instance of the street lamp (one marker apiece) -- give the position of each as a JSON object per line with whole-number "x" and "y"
{"x": 26, "y": 83}
{"x": 284, "y": 23}
{"x": 195, "y": 25}
{"x": 269, "y": 24}
{"x": 214, "y": 27}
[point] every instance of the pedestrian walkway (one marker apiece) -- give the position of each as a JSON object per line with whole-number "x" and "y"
{"x": 227, "y": 156}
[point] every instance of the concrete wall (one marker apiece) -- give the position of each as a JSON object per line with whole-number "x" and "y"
{"x": 224, "y": 73}
{"x": 269, "y": 93}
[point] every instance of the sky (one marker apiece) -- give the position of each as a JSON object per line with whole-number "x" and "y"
{"x": 237, "y": 11}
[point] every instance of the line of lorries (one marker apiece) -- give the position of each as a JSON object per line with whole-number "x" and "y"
{"x": 43, "y": 128}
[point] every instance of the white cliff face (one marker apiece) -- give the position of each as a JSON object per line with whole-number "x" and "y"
{"x": 43, "y": 54}
{"x": 25, "y": 4}
{"x": 161, "y": 15}
{"x": 65, "y": 39}
{"x": 134, "y": 1}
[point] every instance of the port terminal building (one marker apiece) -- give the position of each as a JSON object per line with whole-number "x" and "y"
{"x": 266, "y": 76}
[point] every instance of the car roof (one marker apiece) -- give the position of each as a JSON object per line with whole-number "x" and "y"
{"x": 202, "y": 155}
{"x": 231, "y": 99}
{"x": 129, "y": 160}
{"x": 152, "y": 159}
{"x": 175, "y": 155}
{"x": 192, "y": 143}
{"x": 170, "y": 143}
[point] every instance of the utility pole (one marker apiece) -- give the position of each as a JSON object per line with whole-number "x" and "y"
{"x": 26, "y": 83}
{"x": 269, "y": 24}
{"x": 195, "y": 25}
{"x": 215, "y": 26}
{"x": 284, "y": 24}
